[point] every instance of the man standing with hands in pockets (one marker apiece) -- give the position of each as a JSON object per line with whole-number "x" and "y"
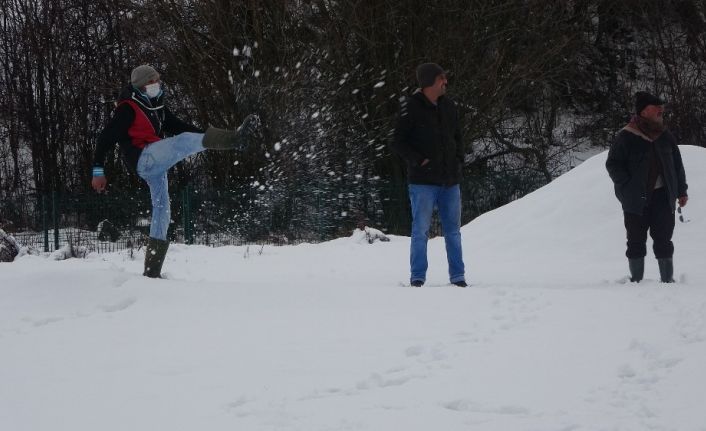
{"x": 646, "y": 167}
{"x": 428, "y": 138}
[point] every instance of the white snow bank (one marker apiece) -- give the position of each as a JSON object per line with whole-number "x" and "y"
{"x": 325, "y": 337}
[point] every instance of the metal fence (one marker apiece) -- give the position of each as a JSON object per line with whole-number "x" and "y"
{"x": 118, "y": 221}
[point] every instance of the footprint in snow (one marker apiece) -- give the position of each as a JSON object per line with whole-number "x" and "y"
{"x": 238, "y": 403}
{"x": 470, "y": 406}
{"x": 414, "y": 351}
{"x": 626, "y": 372}
{"x": 119, "y": 306}
{"x": 377, "y": 381}
{"x": 46, "y": 321}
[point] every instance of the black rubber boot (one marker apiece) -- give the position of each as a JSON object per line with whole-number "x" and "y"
{"x": 221, "y": 139}
{"x": 666, "y": 270}
{"x": 637, "y": 269}
{"x": 154, "y": 257}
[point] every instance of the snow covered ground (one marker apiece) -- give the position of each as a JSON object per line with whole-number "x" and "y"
{"x": 326, "y": 337}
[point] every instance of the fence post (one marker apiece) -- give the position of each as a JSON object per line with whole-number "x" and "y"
{"x": 186, "y": 214}
{"x": 191, "y": 221}
{"x": 45, "y": 227}
{"x": 55, "y": 217}
{"x": 318, "y": 215}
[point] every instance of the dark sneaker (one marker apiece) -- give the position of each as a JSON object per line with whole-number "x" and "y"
{"x": 417, "y": 283}
{"x": 460, "y": 283}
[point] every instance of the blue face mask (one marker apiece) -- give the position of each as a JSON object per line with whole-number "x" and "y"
{"x": 153, "y": 90}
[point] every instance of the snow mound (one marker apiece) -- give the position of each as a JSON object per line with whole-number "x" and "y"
{"x": 572, "y": 229}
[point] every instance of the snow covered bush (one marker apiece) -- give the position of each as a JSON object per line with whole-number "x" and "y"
{"x": 8, "y": 247}
{"x": 369, "y": 235}
{"x": 68, "y": 251}
{"x": 107, "y": 231}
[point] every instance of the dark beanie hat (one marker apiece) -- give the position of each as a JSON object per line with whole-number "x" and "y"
{"x": 427, "y": 73}
{"x": 643, "y": 98}
{"x": 141, "y": 75}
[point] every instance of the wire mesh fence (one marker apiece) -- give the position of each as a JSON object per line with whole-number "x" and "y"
{"x": 118, "y": 221}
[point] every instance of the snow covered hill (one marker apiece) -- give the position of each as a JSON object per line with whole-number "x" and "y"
{"x": 571, "y": 231}
{"x": 326, "y": 337}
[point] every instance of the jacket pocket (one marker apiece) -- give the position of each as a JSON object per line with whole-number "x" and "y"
{"x": 419, "y": 170}
{"x": 619, "y": 192}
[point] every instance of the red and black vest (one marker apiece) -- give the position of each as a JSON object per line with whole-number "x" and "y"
{"x": 143, "y": 131}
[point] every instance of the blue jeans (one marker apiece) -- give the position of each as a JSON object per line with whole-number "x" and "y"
{"x": 448, "y": 201}
{"x": 155, "y": 161}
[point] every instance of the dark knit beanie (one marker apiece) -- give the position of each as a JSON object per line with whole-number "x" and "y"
{"x": 643, "y": 98}
{"x": 427, "y": 73}
{"x": 141, "y": 75}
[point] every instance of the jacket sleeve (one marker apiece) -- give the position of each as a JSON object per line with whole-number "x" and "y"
{"x": 681, "y": 174}
{"x": 617, "y": 162}
{"x": 115, "y": 130}
{"x": 458, "y": 137}
{"x": 403, "y": 130}
{"x": 174, "y": 126}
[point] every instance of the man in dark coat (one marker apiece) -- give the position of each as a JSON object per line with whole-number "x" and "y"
{"x": 140, "y": 125}
{"x": 646, "y": 167}
{"x": 428, "y": 138}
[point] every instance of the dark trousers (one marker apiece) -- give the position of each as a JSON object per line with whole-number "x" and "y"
{"x": 658, "y": 218}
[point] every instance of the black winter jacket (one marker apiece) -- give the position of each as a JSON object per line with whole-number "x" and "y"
{"x": 117, "y": 128}
{"x": 628, "y": 166}
{"x": 428, "y": 131}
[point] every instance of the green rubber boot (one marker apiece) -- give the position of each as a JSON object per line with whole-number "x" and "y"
{"x": 154, "y": 257}
{"x": 222, "y": 139}
{"x": 637, "y": 269}
{"x": 666, "y": 270}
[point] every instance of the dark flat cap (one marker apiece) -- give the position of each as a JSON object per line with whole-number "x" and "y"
{"x": 643, "y": 99}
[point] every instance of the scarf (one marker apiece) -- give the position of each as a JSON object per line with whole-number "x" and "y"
{"x": 652, "y": 131}
{"x": 649, "y": 128}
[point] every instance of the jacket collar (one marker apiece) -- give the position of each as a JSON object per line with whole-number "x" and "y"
{"x": 636, "y": 131}
{"x": 644, "y": 129}
{"x": 421, "y": 97}
{"x": 137, "y": 96}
